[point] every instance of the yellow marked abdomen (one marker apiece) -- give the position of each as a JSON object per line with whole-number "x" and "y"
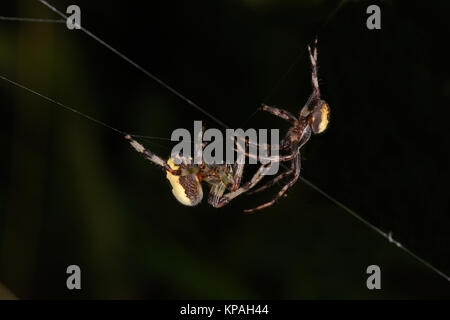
{"x": 186, "y": 189}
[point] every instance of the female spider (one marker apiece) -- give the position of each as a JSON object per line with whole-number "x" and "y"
{"x": 313, "y": 118}
{"x": 186, "y": 178}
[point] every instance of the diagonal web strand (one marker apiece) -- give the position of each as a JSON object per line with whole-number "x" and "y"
{"x": 137, "y": 66}
{"x": 18, "y": 19}
{"x": 388, "y": 236}
{"x": 123, "y": 133}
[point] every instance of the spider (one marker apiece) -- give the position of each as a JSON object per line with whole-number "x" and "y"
{"x": 186, "y": 178}
{"x": 313, "y": 118}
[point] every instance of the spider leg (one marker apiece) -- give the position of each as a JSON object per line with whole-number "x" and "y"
{"x": 198, "y": 150}
{"x": 247, "y": 186}
{"x": 151, "y": 156}
{"x": 284, "y": 189}
{"x": 315, "y": 95}
{"x": 273, "y": 181}
{"x": 238, "y": 172}
{"x": 215, "y": 194}
{"x": 264, "y": 146}
{"x": 238, "y": 169}
{"x": 272, "y": 158}
{"x": 283, "y": 114}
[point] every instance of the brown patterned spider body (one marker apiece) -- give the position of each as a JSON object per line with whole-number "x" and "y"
{"x": 313, "y": 118}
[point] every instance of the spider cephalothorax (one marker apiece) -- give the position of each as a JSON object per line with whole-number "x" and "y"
{"x": 313, "y": 118}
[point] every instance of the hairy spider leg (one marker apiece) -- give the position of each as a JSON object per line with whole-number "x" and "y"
{"x": 215, "y": 194}
{"x": 284, "y": 158}
{"x": 294, "y": 179}
{"x": 315, "y": 95}
{"x": 283, "y": 114}
{"x": 238, "y": 169}
{"x": 151, "y": 156}
{"x": 247, "y": 186}
{"x": 270, "y": 183}
{"x": 314, "y": 78}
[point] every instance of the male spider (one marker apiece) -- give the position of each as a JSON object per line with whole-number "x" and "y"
{"x": 313, "y": 117}
{"x": 186, "y": 178}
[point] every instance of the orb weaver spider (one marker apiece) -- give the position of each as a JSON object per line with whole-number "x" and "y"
{"x": 313, "y": 118}
{"x": 186, "y": 178}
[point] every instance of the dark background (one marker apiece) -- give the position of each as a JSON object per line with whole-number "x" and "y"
{"x": 74, "y": 192}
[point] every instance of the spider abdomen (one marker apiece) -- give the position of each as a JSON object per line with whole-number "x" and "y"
{"x": 320, "y": 117}
{"x": 187, "y": 189}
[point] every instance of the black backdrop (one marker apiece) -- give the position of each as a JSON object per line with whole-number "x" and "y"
{"x": 74, "y": 192}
